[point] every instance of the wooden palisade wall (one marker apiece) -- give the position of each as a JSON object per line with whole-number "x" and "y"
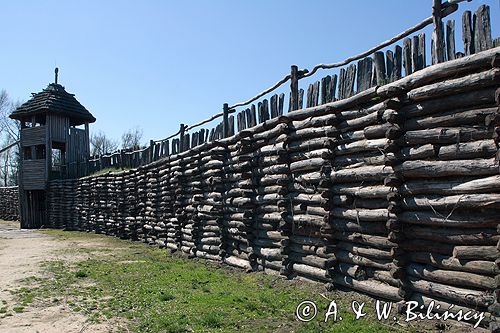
{"x": 393, "y": 192}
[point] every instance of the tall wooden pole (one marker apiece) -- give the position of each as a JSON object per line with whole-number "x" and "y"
{"x": 438, "y": 33}
{"x": 181, "y": 138}
{"x": 294, "y": 88}
{"x": 225, "y": 121}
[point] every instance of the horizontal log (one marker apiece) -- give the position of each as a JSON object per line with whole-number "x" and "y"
{"x": 378, "y": 242}
{"x": 238, "y": 262}
{"x": 345, "y": 256}
{"x": 454, "y": 236}
{"x": 476, "y": 252}
{"x": 364, "y": 251}
{"x": 464, "y": 201}
{"x": 447, "y": 135}
{"x": 354, "y": 226}
{"x": 349, "y": 137}
{"x": 482, "y": 267}
{"x": 452, "y": 186}
{"x": 309, "y": 271}
{"x": 311, "y": 260}
{"x": 312, "y": 132}
{"x": 309, "y": 220}
{"x": 359, "y": 159}
{"x": 442, "y": 104}
{"x": 360, "y": 146}
{"x": 371, "y": 215}
{"x": 474, "y": 149}
{"x": 268, "y": 253}
{"x": 311, "y": 144}
{"x": 454, "y": 294}
{"x": 454, "y": 220}
{"x": 459, "y": 279}
{"x": 453, "y": 118}
{"x": 370, "y": 287}
{"x": 323, "y": 153}
{"x": 376, "y": 131}
{"x": 382, "y": 276}
{"x": 366, "y": 173}
{"x": 454, "y": 86}
{"x": 319, "y": 121}
{"x": 427, "y": 169}
{"x": 368, "y": 192}
{"x": 307, "y": 165}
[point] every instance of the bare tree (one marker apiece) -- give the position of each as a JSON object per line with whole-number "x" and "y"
{"x": 8, "y": 126}
{"x": 101, "y": 144}
{"x": 131, "y": 139}
{"x": 9, "y": 135}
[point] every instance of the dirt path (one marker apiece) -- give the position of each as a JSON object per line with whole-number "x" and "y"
{"x": 21, "y": 254}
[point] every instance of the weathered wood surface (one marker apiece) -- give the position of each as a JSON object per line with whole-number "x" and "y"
{"x": 9, "y": 203}
{"x": 392, "y": 192}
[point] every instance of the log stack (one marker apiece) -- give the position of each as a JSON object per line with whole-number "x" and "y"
{"x": 9, "y": 203}
{"x": 130, "y": 207}
{"x": 209, "y": 212}
{"x": 449, "y": 199}
{"x": 271, "y": 176}
{"x": 206, "y": 243}
{"x": 239, "y": 204}
{"x": 119, "y": 214}
{"x": 184, "y": 209}
{"x": 360, "y": 209}
{"x": 168, "y": 221}
{"x": 153, "y": 232}
{"x": 309, "y": 149}
{"x": 61, "y": 207}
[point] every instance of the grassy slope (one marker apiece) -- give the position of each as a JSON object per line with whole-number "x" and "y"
{"x": 158, "y": 292}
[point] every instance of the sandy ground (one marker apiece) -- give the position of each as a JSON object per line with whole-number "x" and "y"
{"x": 21, "y": 253}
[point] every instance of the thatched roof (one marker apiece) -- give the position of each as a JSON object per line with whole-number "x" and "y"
{"x": 54, "y": 99}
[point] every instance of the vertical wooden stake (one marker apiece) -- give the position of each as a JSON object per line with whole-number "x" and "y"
{"x": 151, "y": 150}
{"x": 438, "y": 34}
{"x": 225, "y": 121}
{"x": 294, "y": 88}
{"x": 181, "y": 139}
{"x": 450, "y": 39}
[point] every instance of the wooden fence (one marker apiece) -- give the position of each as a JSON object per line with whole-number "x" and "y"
{"x": 393, "y": 192}
{"x": 9, "y": 203}
{"x": 374, "y": 68}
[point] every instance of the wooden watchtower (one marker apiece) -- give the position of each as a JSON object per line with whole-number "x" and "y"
{"x": 54, "y": 142}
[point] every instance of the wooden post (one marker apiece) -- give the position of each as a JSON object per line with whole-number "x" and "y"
{"x": 225, "y": 121}
{"x": 294, "y": 88}
{"x": 438, "y": 35}
{"x": 450, "y": 39}
{"x": 181, "y": 139}
{"x": 151, "y": 150}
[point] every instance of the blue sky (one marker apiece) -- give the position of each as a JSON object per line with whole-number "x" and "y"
{"x": 156, "y": 64}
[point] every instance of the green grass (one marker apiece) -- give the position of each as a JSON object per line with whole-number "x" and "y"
{"x": 108, "y": 170}
{"x": 153, "y": 291}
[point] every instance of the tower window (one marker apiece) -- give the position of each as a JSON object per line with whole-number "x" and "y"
{"x": 58, "y": 155}
{"x": 40, "y": 152}
{"x": 27, "y": 153}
